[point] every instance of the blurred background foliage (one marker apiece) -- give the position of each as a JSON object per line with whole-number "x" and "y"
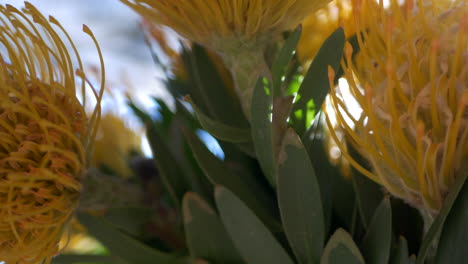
{"x": 182, "y": 183}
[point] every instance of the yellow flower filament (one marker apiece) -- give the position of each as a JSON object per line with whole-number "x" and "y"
{"x": 45, "y": 136}
{"x": 205, "y": 21}
{"x": 411, "y": 80}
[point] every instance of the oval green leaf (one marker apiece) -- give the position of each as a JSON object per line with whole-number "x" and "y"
{"x": 341, "y": 249}
{"x": 284, "y": 57}
{"x": 171, "y": 175}
{"x": 376, "y": 244}
{"x": 315, "y": 86}
{"x": 206, "y": 235}
{"x": 401, "y": 255}
{"x": 220, "y": 130}
{"x": 254, "y": 195}
{"x": 300, "y": 201}
{"x": 252, "y": 239}
{"x": 130, "y": 219}
{"x": 368, "y": 196}
{"x": 262, "y": 134}
{"x": 123, "y": 246}
{"x": 454, "y": 237}
{"x": 437, "y": 225}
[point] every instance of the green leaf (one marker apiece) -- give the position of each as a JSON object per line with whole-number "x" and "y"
{"x": 284, "y": 57}
{"x": 171, "y": 174}
{"x": 377, "y": 241}
{"x": 166, "y": 114}
{"x": 242, "y": 185}
{"x": 187, "y": 116}
{"x": 253, "y": 240}
{"x": 345, "y": 208}
{"x": 336, "y": 191}
{"x": 144, "y": 117}
{"x": 438, "y": 223}
{"x": 130, "y": 220}
{"x": 165, "y": 132}
{"x": 368, "y": 194}
{"x": 75, "y": 259}
{"x": 262, "y": 129}
{"x": 220, "y": 130}
{"x": 341, "y": 249}
{"x": 123, "y": 246}
{"x": 408, "y": 223}
{"x": 454, "y": 236}
{"x": 209, "y": 90}
{"x": 189, "y": 172}
{"x": 299, "y": 200}
{"x": 206, "y": 235}
{"x": 401, "y": 255}
{"x": 315, "y": 86}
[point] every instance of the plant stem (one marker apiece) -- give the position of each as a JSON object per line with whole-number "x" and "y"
{"x": 246, "y": 66}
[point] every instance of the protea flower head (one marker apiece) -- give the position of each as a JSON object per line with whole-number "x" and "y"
{"x": 45, "y": 136}
{"x": 411, "y": 80}
{"x": 215, "y": 23}
{"x": 239, "y": 30}
{"x": 114, "y": 143}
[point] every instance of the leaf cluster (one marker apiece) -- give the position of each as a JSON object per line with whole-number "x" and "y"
{"x": 273, "y": 196}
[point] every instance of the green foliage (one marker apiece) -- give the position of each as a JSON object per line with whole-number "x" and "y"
{"x": 455, "y": 232}
{"x": 341, "y": 249}
{"x": 262, "y": 133}
{"x": 337, "y": 194}
{"x": 171, "y": 175}
{"x": 206, "y": 235}
{"x": 400, "y": 255}
{"x": 377, "y": 241}
{"x": 283, "y": 60}
{"x": 299, "y": 200}
{"x": 209, "y": 91}
{"x": 129, "y": 220}
{"x": 222, "y": 131}
{"x": 274, "y": 196}
{"x": 434, "y": 231}
{"x": 368, "y": 196}
{"x": 122, "y": 245}
{"x": 254, "y": 241}
{"x": 246, "y": 187}
{"x": 315, "y": 86}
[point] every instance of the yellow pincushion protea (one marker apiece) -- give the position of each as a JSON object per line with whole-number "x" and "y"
{"x": 411, "y": 81}
{"x": 214, "y": 22}
{"x": 44, "y": 135}
{"x": 319, "y": 25}
{"x": 113, "y": 144}
{"x": 240, "y": 30}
